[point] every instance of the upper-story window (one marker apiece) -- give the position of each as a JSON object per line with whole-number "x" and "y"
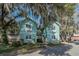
{"x": 53, "y": 27}
{"x": 53, "y": 37}
{"x": 28, "y": 36}
{"x": 28, "y": 26}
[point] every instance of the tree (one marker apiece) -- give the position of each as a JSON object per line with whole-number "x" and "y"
{"x": 66, "y": 12}
{"x": 48, "y": 12}
{"x": 7, "y": 22}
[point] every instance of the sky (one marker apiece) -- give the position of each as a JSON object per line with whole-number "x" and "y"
{"x": 15, "y": 12}
{"x": 76, "y": 18}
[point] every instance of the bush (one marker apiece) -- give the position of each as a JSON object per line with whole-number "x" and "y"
{"x": 5, "y": 48}
{"x": 16, "y": 43}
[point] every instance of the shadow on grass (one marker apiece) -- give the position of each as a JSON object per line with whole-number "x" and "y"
{"x": 14, "y": 51}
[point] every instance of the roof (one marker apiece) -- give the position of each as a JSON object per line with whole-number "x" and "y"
{"x": 58, "y": 23}
{"x": 21, "y": 19}
{"x": 53, "y": 23}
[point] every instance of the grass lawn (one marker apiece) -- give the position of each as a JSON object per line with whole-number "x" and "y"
{"x": 5, "y": 48}
{"x": 21, "y": 49}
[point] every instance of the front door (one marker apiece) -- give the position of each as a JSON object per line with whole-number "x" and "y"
{"x": 28, "y": 38}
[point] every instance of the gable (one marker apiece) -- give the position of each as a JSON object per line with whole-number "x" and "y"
{"x": 53, "y": 25}
{"x": 27, "y": 21}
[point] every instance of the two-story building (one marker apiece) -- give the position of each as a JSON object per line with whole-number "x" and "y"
{"x": 28, "y": 31}
{"x": 52, "y": 33}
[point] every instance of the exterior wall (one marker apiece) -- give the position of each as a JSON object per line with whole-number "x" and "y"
{"x": 75, "y": 37}
{"x": 28, "y": 34}
{"x": 52, "y": 33}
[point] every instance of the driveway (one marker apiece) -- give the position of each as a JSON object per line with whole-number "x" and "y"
{"x": 68, "y": 49}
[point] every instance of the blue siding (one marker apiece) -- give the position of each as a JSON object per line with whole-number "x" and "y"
{"x": 24, "y": 34}
{"x": 52, "y": 33}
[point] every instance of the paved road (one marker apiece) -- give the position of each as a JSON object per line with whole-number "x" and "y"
{"x": 69, "y": 49}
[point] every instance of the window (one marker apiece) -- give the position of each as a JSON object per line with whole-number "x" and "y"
{"x": 28, "y": 37}
{"x": 53, "y": 37}
{"x": 28, "y": 26}
{"x": 53, "y": 27}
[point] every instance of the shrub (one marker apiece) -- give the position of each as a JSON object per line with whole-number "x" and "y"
{"x": 16, "y": 43}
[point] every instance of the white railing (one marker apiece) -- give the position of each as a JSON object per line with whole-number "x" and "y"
{"x": 13, "y": 37}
